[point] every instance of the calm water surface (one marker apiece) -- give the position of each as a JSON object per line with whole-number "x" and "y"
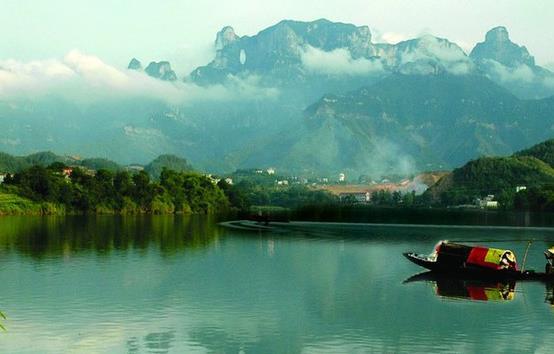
{"x": 186, "y": 285}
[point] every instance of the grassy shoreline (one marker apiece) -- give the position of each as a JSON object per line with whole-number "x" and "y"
{"x": 12, "y": 204}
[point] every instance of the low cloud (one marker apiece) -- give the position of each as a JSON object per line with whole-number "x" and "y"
{"x": 506, "y": 74}
{"x": 388, "y": 37}
{"x": 338, "y": 62}
{"x": 522, "y": 74}
{"x": 393, "y": 37}
{"x": 86, "y": 78}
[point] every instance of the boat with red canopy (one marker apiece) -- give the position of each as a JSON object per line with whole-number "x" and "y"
{"x": 477, "y": 261}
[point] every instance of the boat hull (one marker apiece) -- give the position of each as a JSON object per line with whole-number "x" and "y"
{"x": 476, "y": 272}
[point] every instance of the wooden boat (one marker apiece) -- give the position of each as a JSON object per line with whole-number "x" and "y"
{"x": 476, "y": 262}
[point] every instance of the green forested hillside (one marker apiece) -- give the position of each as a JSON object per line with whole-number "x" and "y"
{"x": 171, "y": 162}
{"x": 13, "y": 164}
{"x": 500, "y": 176}
{"x": 434, "y": 121}
{"x": 543, "y": 151}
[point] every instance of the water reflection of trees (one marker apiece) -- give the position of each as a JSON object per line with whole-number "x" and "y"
{"x": 376, "y": 214}
{"x": 40, "y": 237}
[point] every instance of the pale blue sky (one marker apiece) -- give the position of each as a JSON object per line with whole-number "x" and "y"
{"x": 183, "y": 31}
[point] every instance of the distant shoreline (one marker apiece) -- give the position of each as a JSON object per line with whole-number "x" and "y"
{"x": 256, "y": 226}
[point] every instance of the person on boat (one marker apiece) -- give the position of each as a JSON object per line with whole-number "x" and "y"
{"x": 549, "y": 254}
{"x": 508, "y": 260}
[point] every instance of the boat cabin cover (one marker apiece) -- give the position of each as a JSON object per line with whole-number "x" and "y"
{"x": 457, "y": 255}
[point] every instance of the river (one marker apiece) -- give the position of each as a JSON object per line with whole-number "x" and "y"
{"x": 174, "y": 284}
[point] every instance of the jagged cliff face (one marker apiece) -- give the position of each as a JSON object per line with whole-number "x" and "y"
{"x": 135, "y": 64}
{"x": 161, "y": 70}
{"x": 158, "y": 70}
{"x": 498, "y": 47}
{"x": 279, "y": 53}
{"x": 511, "y": 65}
{"x": 278, "y": 50}
{"x": 323, "y": 55}
{"x": 427, "y": 55}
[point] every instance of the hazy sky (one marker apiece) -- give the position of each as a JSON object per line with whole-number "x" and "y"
{"x": 183, "y": 31}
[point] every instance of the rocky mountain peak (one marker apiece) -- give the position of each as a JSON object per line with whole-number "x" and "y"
{"x": 277, "y": 51}
{"x": 498, "y": 47}
{"x": 161, "y": 70}
{"x": 497, "y": 34}
{"x": 426, "y": 55}
{"x": 135, "y": 64}
{"x": 225, "y": 37}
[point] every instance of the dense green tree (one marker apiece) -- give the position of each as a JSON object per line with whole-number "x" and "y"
{"x": 108, "y": 192}
{"x": 237, "y": 196}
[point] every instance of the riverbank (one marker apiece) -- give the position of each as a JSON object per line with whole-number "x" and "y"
{"x": 410, "y": 215}
{"x": 12, "y": 204}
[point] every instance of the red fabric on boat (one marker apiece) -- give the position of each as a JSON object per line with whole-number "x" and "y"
{"x": 477, "y": 257}
{"x": 477, "y": 293}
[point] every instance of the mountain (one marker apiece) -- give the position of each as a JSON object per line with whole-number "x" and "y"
{"x": 314, "y": 98}
{"x": 135, "y": 64}
{"x": 172, "y": 162}
{"x": 543, "y": 151}
{"x": 436, "y": 121}
{"x": 498, "y": 47}
{"x": 12, "y": 164}
{"x": 286, "y": 53}
{"x": 511, "y": 65}
{"x": 158, "y": 70}
{"x": 498, "y": 176}
{"x": 161, "y": 70}
{"x": 276, "y": 53}
{"x": 427, "y": 55}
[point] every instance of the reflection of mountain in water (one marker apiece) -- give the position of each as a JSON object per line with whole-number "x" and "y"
{"x": 41, "y": 237}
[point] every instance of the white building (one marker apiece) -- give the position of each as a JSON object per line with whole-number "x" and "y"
{"x": 270, "y": 171}
{"x": 360, "y": 197}
{"x": 487, "y": 203}
{"x": 2, "y": 177}
{"x": 520, "y": 188}
{"x": 342, "y": 177}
